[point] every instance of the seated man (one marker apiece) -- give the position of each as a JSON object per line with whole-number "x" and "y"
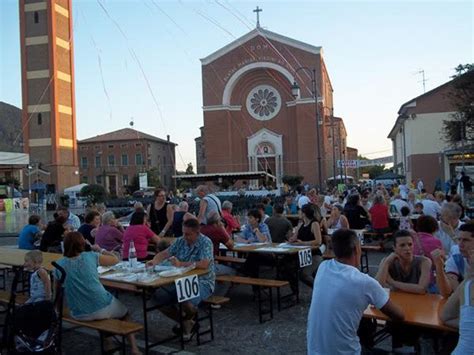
{"x": 402, "y": 271}
{"x": 192, "y": 248}
{"x": 459, "y": 264}
{"x": 280, "y": 227}
{"x": 341, "y": 293}
{"x": 215, "y": 231}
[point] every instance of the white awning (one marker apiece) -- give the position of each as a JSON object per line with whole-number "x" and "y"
{"x": 9, "y": 158}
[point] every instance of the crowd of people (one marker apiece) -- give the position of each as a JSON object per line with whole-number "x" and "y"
{"x": 433, "y": 253}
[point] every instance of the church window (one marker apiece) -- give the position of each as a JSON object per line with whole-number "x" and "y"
{"x": 263, "y": 102}
{"x": 36, "y": 16}
{"x": 40, "y": 119}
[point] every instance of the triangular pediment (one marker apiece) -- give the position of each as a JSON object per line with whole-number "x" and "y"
{"x": 263, "y": 33}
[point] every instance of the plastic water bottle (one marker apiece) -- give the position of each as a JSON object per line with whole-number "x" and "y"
{"x": 132, "y": 255}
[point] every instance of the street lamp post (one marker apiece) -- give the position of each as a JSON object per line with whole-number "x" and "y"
{"x": 333, "y": 146}
{"x": 295, "y": 91}
{"x": 29, "y": 184}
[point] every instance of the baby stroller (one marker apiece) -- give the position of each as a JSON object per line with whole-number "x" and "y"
{"x": 34, "y": 328}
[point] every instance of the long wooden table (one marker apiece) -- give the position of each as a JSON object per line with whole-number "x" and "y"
{"x": 146, "y": 290}
{"x": 16, "y": 257}
{"x": 419, "y": 310}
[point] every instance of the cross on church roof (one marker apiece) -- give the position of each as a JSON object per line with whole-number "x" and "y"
{"x": 258, "y": 10}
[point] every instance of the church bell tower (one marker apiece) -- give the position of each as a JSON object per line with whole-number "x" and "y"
{"x": 49, "y": 120}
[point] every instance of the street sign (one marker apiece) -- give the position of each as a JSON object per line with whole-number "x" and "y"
{"x": 347, "y": 163}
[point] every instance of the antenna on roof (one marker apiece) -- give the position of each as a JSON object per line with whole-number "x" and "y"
{"x": 423, "y": 80}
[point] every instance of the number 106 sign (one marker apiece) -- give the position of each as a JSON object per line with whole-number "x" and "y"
{"x": 187, "y": 288}
{"x": 305, "y": 257}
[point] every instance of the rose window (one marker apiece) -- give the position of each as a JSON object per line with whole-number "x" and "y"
{"x": 263, "y": 102}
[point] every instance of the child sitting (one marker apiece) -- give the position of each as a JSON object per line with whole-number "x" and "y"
{"x": 40, "y": 283}
{"x": 405, "y": 222}
{"x": 418, "y": 208}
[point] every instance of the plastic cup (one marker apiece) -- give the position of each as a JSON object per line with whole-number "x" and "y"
{"x": 149, "y": 269}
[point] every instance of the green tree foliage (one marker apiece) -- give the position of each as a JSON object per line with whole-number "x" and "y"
{"x": 292, "y": 180}
{"x": 154, "y": 177}
{"x": 189, "y": 169}
{"x": 461, "y": 127}
{"x": 94, "y": 193}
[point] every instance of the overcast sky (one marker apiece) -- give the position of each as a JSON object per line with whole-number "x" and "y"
{"x": 140, "y": 59}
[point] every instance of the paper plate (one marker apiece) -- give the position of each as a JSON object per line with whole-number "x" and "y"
{"x": 170, "y": 273}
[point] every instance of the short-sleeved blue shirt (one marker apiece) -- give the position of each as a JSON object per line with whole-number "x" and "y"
{"x": 27, "y": 237}
{"x": 249, "y": 234}
{"x": 201, "y": 250}
{"x": 84, "y": 292}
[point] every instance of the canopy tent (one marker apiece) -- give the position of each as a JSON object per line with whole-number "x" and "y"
{"x": 389, "y": 176}
{"x": 339, "y": 177}
{"x": 74, "y": 189}
{"x": 245, "y": 175}
{"x": 9, "y": 158}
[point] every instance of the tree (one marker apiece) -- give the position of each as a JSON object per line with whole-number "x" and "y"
{"x": 154, "y": 177}
{"x": 94, "y": 193}
{"x": 292, "y": 180}
{"x": 190, "y": 169}
{"x": 461, "y": 127}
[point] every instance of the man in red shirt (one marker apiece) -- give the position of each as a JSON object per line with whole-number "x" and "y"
{"x": 215, "y": 231}
{"x": 232, "y": 224}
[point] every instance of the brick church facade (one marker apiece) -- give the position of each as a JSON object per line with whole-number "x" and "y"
{"x": 252, "y": 122}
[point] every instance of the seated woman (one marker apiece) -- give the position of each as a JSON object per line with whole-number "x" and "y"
{"x": 402, "y": 271}
{"x": 110, "y": 234}
{"x": 141, "y": 234}
{"x": 86, "y": 298}
{"x": 53, "y": 235}
{"x": 255, "y": 231}
{"x": 89, "y": 228}
{"x": 309, "y": 233}
{"x": 425, "y": 243}
{"x": 337, "y": 220}
{"x": 356, "y": 215}
{"x": 379, "y": 215}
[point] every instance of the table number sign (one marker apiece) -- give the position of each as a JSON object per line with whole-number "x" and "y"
{"x": 187, "y": 288}
{"x": 305, "y": 257}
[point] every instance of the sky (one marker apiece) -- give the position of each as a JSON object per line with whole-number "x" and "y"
{"x": 140, "y": 59}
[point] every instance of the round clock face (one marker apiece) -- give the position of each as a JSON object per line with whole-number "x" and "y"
{"x": 263, "y": 102}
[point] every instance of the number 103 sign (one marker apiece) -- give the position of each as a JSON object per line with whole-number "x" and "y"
{"x": 305, "y": 257}
{"x": 187, "y": 288}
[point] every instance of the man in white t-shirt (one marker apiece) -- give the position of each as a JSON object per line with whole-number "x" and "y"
{"x": 399, "y": 203}
{"x": 431, "y": 207}
{"x": 460, "y": 263}
{"x": 341, "y": 293}
{"x": 303, "y": 200}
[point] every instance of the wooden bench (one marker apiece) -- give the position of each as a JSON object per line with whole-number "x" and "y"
{"x": 107, "y": 328}
{"x": 364, "y": 258}
{"x": 229, "y": 259}
{"x": 384, "y": 237}
{"x": 20, "y": 298}
{"x": 209, "y": 302}
{"x": 260, "y": 284}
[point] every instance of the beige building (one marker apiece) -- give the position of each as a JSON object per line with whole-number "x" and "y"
{"x": 419, "y": 147}
{"x": 114, "y": 159}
